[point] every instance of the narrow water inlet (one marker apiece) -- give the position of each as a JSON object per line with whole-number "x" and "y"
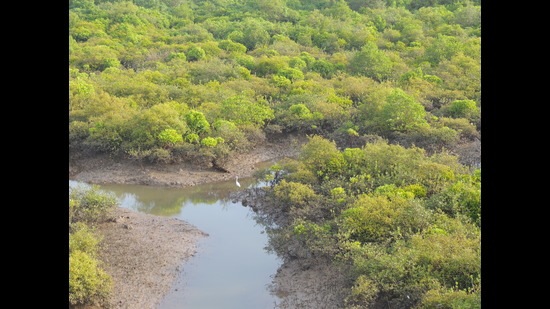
{"x": 231, "y": 268}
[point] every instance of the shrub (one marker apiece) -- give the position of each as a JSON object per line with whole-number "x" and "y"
{"x": 293, "y": 194}
{"x": 452, "y": 258}
{"x": 209, "y": 142}
{"x": 450, "y": 298}
{"x": 372, "y": 219}
{"x": 170, "y": 137}
{"x": 177, "y": 55}
{"x": 83, "y": 238}
{"x": 88, "y": 283}
{"x": 363, "y": 293}
{"x": 159, "y": 155}
{"x": 195, "y": 53}
{"x": 231, "y": 46}
{"x": 78, "y": 132}
{"x": 462, "y": 109}
{"x": 253, "y": 134}
{"x": 89, "y": 204}
{"x": 143, "y": 131}
{"x": 232, "y": 135}
{"x": 463, "y": 126}
{"x": 192, "y": 138}
{"x": 401, "y": 113}
{"x": 429, "y": 138}
{"x": 460, "y": 198}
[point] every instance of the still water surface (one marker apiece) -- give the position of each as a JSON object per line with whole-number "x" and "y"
{"x": 231, "y": 268}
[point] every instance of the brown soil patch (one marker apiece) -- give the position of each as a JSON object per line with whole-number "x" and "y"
{"x": 144, "y": 253}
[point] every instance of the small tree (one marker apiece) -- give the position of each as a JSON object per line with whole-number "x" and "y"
{"x": 322, "y": 157}
{"x": 462, "y": 109}
{"x": 170, "y": 137}
{"x": 243, "y": 110}
{"x": 371, "y": 62}
{"x": 197, "y": 123}
{"x": 195, "y": 53}
{"x": 209, "y": 142}
{"x": 402, "y": 113}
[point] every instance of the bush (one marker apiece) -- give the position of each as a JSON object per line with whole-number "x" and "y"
{"x": 363, "y": 293}
{"x": 429, "y": 138}
{"x": 398, "y": 112}
{"x": 83, "y": 238}
{"x": 373, "y": 219}
{"x": 254, "y": 135}
{"x": 450, "y": 298}
{"x": 460, "y": 198}
{"x": 88, "y": 283}
{"x": 462, "y": 109}
{"x": 232, "y": 135}
{"x": 209, "y": 142}
{"x": 89, "y": 204}
{"x": 170, "y": 137}
{"x": 159, "y": 155}
{"x": 195, "y": 53}
{"x": 293, "y": 194}
{"x": 463, "y": 126}
{"x": 192, "y": 138}
{"x": 78, "y": 132}
{"x": 233, "y": 47}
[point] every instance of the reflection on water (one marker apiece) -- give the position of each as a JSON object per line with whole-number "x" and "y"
{"x": 169, "y": 201}
{"x": 231, "y": 269}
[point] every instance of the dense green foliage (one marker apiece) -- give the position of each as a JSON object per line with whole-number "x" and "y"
{"x": 404, "y": 225}
{"x": 150, "y": 78}
{"x": 89, "y": 284}
{"x": 386, "y": 88}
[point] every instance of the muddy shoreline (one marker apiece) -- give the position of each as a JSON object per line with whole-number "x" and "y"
{"x": 103, "y": 169}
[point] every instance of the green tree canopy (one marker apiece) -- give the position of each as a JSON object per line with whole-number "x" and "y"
{"x": 243, "y": 110}
{"x": 401, "y": 112}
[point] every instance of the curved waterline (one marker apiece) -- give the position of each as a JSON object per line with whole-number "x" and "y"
{"x": 231, "y": 268}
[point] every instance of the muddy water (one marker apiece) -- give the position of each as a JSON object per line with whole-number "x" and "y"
{"x": 231, "y": 268}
